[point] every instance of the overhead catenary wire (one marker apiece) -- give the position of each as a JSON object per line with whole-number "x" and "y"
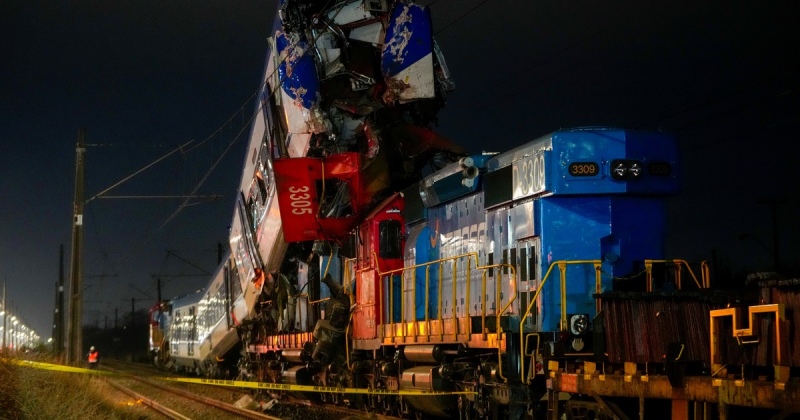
{"x": 126, "y": 179}
{"x": 460, "y": 17}
{"x": 246, "y": 124}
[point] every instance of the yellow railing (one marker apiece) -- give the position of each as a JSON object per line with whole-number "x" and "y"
{"x": 466, "y": 259}
{"x": 498, "y": 288}
{"x": 703, "y": 283}
{"x": 562, "y": 267}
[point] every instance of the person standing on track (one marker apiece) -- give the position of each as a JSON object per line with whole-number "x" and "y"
{"x": 93, "y": 357}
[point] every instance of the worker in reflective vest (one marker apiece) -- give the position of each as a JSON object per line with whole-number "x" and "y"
{"x": 94, "y": 357}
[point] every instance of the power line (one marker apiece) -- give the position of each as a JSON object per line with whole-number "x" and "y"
{"x": 460, "y": 17}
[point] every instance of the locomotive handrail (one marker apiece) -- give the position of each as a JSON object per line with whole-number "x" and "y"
{"x": 562, "y": 264}
{"x": 498, "y": 301}
{"x": 314, "y": 302}
{"x": 704, "y": 283}
{"x": 454, "y": 259}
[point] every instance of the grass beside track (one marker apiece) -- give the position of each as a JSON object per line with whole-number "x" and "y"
{"x": 27, "y": 393}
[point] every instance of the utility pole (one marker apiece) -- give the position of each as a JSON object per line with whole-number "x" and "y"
{"x": 75, "y": 345}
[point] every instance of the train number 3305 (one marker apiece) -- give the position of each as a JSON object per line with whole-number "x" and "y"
{"x": 300, "y": 200}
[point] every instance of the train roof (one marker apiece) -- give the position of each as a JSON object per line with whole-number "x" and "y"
{"x": 568, "y": 140}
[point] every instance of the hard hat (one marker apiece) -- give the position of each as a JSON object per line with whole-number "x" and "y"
{"x": 91, "y": 348}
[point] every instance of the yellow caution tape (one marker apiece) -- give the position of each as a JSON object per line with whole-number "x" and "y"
{"x": 60, "y": 368}
{"x": 248, "y": 384}
{"x": 310, "y": 388}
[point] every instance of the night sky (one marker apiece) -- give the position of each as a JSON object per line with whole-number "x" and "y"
{"x": 144, "y": 77}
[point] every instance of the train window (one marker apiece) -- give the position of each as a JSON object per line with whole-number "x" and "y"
{"x": 390, "y": 232}
{"x": 523, "y": 266}
{"x": 262, "y": 186}
{"x": 414, "y": 210}
{"x": 498, "y": 186}
{"x": 505, "y": 261}
{"x": 335, "y": 198}
{"x": 490, "y": 262}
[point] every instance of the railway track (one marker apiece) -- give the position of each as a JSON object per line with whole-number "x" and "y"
{"x": 273, "y": 405}
{"x": 150, "y": 403}
{"x": 177, "y": 403}
{"x": 297, "y": 409}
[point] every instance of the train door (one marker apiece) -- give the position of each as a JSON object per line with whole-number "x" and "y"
{"x": 366, "y": 313}
{"x": 529, "y": 275}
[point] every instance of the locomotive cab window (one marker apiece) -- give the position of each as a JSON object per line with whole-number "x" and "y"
{"x": 335, "y": 198}
{"x": 390, "y": 232}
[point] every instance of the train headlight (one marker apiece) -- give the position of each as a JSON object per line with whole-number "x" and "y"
{"x": 578, "y": 324}
{"x": 619, "y": 169}
{"x": 626, "y": 169}
{"x": 635, "y": 169}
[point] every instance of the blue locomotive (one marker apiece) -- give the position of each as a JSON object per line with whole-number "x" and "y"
{"x": 486, "y": 268}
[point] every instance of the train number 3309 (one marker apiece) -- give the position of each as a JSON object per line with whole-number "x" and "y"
{"x": 584, "y": 169}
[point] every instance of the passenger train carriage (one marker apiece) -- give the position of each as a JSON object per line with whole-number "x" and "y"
{"x": 366, "y": 251}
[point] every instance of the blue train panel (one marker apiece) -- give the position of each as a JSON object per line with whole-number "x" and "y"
{"x": 620, "y": 231}
{"x": 592, "y": 161}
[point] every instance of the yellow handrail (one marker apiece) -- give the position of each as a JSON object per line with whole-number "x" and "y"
{"x": 497, "y": 317}
{"x": 562, "y": 265}
{"x": 468, "y": 257}
{"x": 455, "y": 317}
{"x": 703, "y": 283}
{"x": 314, "y": 302}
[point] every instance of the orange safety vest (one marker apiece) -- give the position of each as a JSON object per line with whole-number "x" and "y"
{"x": 93, "y": 357}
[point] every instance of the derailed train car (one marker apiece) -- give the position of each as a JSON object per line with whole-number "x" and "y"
{"x": 353, "y": 90}
{"x": 366, "y": 252}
